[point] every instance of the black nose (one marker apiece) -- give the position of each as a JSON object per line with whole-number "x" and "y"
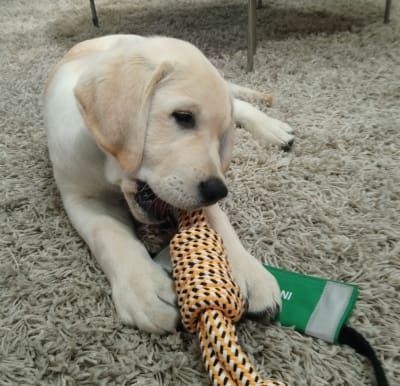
{"x": 212, "y": 190}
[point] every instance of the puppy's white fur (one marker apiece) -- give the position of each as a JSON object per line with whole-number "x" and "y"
{"x": 108, "y": 109}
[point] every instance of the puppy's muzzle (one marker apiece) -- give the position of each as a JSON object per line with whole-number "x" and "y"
{"x": 212, "y": 190}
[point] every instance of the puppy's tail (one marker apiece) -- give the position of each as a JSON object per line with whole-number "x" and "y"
{"x": 249, "y": 94}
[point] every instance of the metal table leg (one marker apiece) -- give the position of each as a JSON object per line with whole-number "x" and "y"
{"x": 388, "y": 5}
{"x": 251, "y": 34}
{"x": 94, "y": 13}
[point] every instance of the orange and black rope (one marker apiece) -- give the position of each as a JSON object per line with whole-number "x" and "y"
{"x": 210, "y": 301}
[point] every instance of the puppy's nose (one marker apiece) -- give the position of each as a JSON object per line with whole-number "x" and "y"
{"x": 212, "y": 190}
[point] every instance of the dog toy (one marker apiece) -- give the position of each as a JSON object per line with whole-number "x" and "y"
{"x": 210, "y": 301}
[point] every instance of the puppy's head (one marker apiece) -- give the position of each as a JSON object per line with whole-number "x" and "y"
{"x": 166, "y": 115}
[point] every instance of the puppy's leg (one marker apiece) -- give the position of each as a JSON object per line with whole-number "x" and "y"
{"x": 257, "y": 284}
{"x": 249, "y": 94}
{"x": 142, "y": 291}
{"x": 265, "y": 129}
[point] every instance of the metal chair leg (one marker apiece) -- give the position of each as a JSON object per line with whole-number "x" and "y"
{"x": 251, "y": 34}
{"x": 254, "y": 28}
{"x": 388, "y": 6}
{"x": 94, "y": 13}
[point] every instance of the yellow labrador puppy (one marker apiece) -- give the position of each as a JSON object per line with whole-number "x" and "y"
{"x": 151, "y": 120}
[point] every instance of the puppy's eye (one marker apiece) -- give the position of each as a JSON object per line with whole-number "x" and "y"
{"x": 184, "y": 119}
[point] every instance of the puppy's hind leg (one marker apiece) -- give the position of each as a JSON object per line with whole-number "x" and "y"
{"x": 249, "y": 94}
{"x": 265, "y": 129}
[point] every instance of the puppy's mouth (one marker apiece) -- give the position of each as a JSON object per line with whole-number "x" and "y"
{"x": 154, "y": 206}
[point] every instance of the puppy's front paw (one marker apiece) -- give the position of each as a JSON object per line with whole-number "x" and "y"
{"x": 285, "y": 127}
{"x": 274, "y": 131}
{"x": 259, "y": 287}
{"x": 147, "y": 301}
{"x": 263, "y": 296}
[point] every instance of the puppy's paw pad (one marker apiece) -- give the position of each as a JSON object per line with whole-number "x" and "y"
{"x": 288, "y": 145}
{"x": 267, "y": 99}
{"x": 268, "y": 314}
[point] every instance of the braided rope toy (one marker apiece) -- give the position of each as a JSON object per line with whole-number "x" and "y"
{"x": 210, "y": 301}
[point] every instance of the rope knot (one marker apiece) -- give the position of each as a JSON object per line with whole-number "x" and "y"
{"x": 203, "y": 277}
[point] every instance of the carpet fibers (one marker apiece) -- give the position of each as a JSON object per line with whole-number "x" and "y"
{"x": 328, "y": 208}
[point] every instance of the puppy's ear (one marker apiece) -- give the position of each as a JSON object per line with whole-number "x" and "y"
{"x": 114, "y": 100}
{"x": 226, "y": 148}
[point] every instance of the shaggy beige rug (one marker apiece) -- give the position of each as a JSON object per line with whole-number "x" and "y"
{"x": 329, "y": 208}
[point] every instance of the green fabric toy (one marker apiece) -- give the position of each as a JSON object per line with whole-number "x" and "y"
{"x": 314, "y": 306}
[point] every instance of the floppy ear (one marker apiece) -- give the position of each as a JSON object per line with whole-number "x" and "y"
{"x": 226, "y": 148}
{"x": 114, "y": 100}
